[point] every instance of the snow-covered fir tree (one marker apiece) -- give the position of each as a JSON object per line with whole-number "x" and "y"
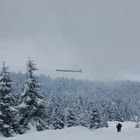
{"x": 70, "y": 118}
{"x": 56, "y": 112}
{"x": 32, "y": 107}
{"x": 8, "y": 113}
{"x": 95, "y": 119}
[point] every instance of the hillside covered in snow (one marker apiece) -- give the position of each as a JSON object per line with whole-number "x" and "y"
{"x": 129, "y": 132}
{"x": 41, "y": 103}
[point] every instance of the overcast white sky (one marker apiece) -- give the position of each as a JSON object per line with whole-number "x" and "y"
{"x": 101, "y": 37}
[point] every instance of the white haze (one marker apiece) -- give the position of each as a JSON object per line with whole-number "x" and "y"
{"x": 101, "y": 37}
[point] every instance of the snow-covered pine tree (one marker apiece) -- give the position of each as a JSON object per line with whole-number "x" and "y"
{"x": 58, "y": 119}
{"x": 8, "y": 113}
{"x": 95, "y": 119}
{"x": 57, "y": 116}
{"x": 32, "y": 106}
{"x": 70, "y": 118}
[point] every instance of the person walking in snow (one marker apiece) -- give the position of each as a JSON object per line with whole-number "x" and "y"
{"x": 119, "y": 126}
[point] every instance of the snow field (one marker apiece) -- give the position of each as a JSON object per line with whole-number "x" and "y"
{"x": 129, "y": 132}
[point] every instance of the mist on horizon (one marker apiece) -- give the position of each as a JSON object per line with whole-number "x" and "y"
{"x": 101, "y": 38}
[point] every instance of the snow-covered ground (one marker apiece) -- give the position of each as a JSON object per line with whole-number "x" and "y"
{"x": 129, "y": 132}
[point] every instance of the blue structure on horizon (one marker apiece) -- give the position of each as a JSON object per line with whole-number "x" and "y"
{"x": 60, "y": 70}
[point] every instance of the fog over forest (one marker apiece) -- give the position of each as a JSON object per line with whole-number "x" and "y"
{"x": 100, "y": 37}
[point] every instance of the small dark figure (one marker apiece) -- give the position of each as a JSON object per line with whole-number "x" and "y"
{"x": 119, "y": 126}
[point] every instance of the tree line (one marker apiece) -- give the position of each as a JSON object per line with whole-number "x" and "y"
{"x": 28, "y": 101}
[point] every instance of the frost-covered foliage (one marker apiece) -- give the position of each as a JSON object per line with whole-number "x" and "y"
{"x": 55, "y": 112}
{"x": 8, "y": 113}
{"x": 113, "y": 99}
{"x": 69, "y": 102}
{"x": 70, "y": 118}
{"x": 31, "y": 107}
{"x": 47, "y": 103}
{"x": 95, "y": 119}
